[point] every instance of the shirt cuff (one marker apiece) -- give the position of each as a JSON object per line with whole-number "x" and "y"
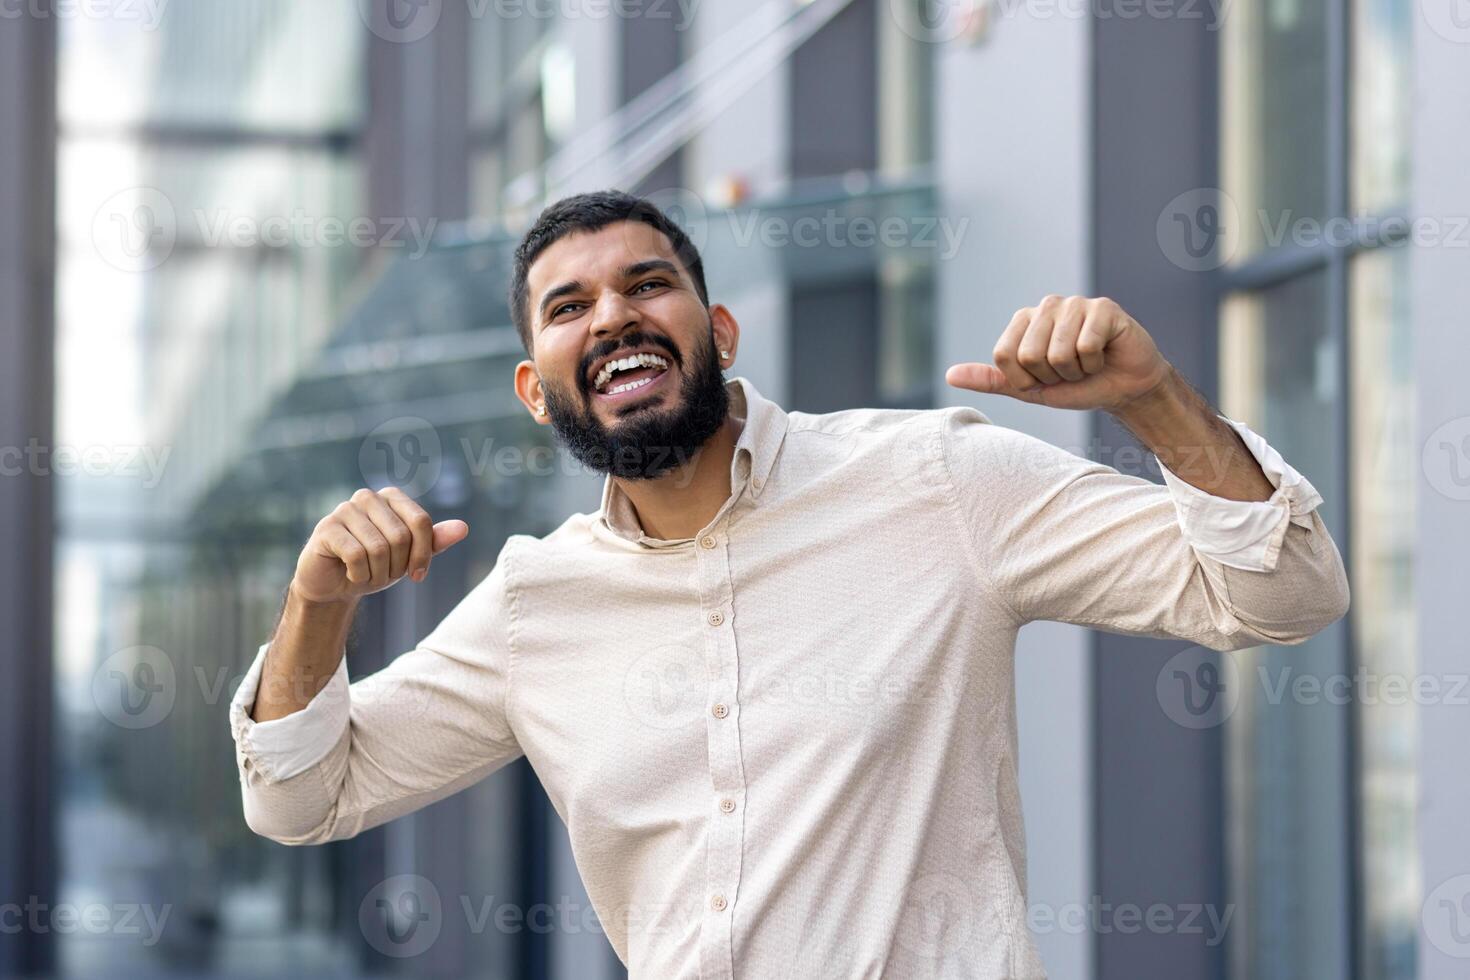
{"x": 285, "y": 747}
{"x": 1245, "y": 534}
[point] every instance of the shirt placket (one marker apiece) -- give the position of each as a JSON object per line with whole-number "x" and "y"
{"x": 726, "y": 800}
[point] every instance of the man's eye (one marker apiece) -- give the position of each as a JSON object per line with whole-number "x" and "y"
{"x": 563, "y": 308}
{"x": 651, "y": 282}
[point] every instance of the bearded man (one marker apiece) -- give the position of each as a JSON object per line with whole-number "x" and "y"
{"x": 769, "y": 684}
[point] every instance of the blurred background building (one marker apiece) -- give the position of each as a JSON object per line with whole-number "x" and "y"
{"x": 255, "y": 256}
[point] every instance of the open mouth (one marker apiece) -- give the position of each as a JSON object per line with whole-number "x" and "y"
{"x": 629, "y": 376}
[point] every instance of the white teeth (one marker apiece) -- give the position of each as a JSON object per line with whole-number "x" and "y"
{"x": 627, "y": 364}
{"x": 630, "y": 386}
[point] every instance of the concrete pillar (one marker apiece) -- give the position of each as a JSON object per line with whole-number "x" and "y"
{"x": 27, "y": 264}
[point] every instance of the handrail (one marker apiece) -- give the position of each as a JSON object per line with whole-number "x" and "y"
{"x": 683, "y": 102}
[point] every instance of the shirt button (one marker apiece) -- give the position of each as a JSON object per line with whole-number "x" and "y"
{"x": 727, "y": 805}
{"x": 719, "y": 710}
{"x": 717, "y": 903}
{"x": 757, "y": 481}
{"x": 708, "y": 541}
{"x": 716, "y": 618}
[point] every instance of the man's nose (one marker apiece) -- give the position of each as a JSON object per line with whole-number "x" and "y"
{"x": 613, "y": 314}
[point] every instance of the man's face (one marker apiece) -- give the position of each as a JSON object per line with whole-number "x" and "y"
{"x": 625, "y": 351}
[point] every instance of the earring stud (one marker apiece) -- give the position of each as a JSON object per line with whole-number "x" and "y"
{"x": 540, "y": 409}
{"x": 725, "y": 354}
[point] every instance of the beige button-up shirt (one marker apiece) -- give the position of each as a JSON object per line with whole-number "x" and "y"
{"x": 786, "y": 747}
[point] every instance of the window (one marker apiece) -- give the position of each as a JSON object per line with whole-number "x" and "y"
{"x": 1315, "y": 348}
{"x": 1382, "y": 522}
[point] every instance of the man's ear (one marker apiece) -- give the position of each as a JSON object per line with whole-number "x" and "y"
{"x": 726, "y": 333}
{"x": 529, "y": 391}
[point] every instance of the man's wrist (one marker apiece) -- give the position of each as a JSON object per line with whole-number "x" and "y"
{"x": 303, "y": 653}
{"x": 1177, "y": 425}
{"x": 1167, "y": 401}
{"x": 318, "y": 607}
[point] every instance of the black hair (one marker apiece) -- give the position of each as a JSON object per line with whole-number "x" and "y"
{"x": 592, "y": 212}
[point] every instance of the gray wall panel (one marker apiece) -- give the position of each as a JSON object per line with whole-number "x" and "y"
{"x": 1439, "y": 299}
{"x": 1015, "y": 159}
{"x": 27, "y": 328}
{"x": 1159, "y": 786}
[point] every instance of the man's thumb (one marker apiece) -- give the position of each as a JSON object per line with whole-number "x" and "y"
{"x": 985, "y": 378}
{"x": 449, "y": 533}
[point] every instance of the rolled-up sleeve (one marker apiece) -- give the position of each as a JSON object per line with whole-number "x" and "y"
{"x": 1245, "y": 534}
{"x": 284, "y": 747}
{"x": 1063, "y": 538}
{"x": 430, "y": 723}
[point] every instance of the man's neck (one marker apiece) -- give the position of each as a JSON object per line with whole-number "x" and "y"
{"x": 681, "y": 502}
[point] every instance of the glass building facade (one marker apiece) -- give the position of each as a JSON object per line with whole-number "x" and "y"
{"x": 1315, "y": 349}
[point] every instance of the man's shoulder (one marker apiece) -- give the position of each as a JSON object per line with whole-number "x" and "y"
{"x": 917, "y": 430}
{"x": 931, "y": 450}
{"x": 877, "y": 421}
{"x": 573, "y": 533}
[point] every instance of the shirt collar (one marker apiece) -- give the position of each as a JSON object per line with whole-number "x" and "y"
{"x": 755, "y": 453}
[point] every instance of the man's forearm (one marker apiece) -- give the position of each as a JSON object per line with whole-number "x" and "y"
{"x": 1179, "y": 427}
{"x": 303, "y": 655}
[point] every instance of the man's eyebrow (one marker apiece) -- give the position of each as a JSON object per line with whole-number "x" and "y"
{"x": 649, "y": 265}
{"x": 626, "y": 272}
{"x": 557, "y": 292}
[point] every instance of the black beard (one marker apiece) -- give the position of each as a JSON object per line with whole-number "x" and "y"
{"x": 647, "y": 442}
